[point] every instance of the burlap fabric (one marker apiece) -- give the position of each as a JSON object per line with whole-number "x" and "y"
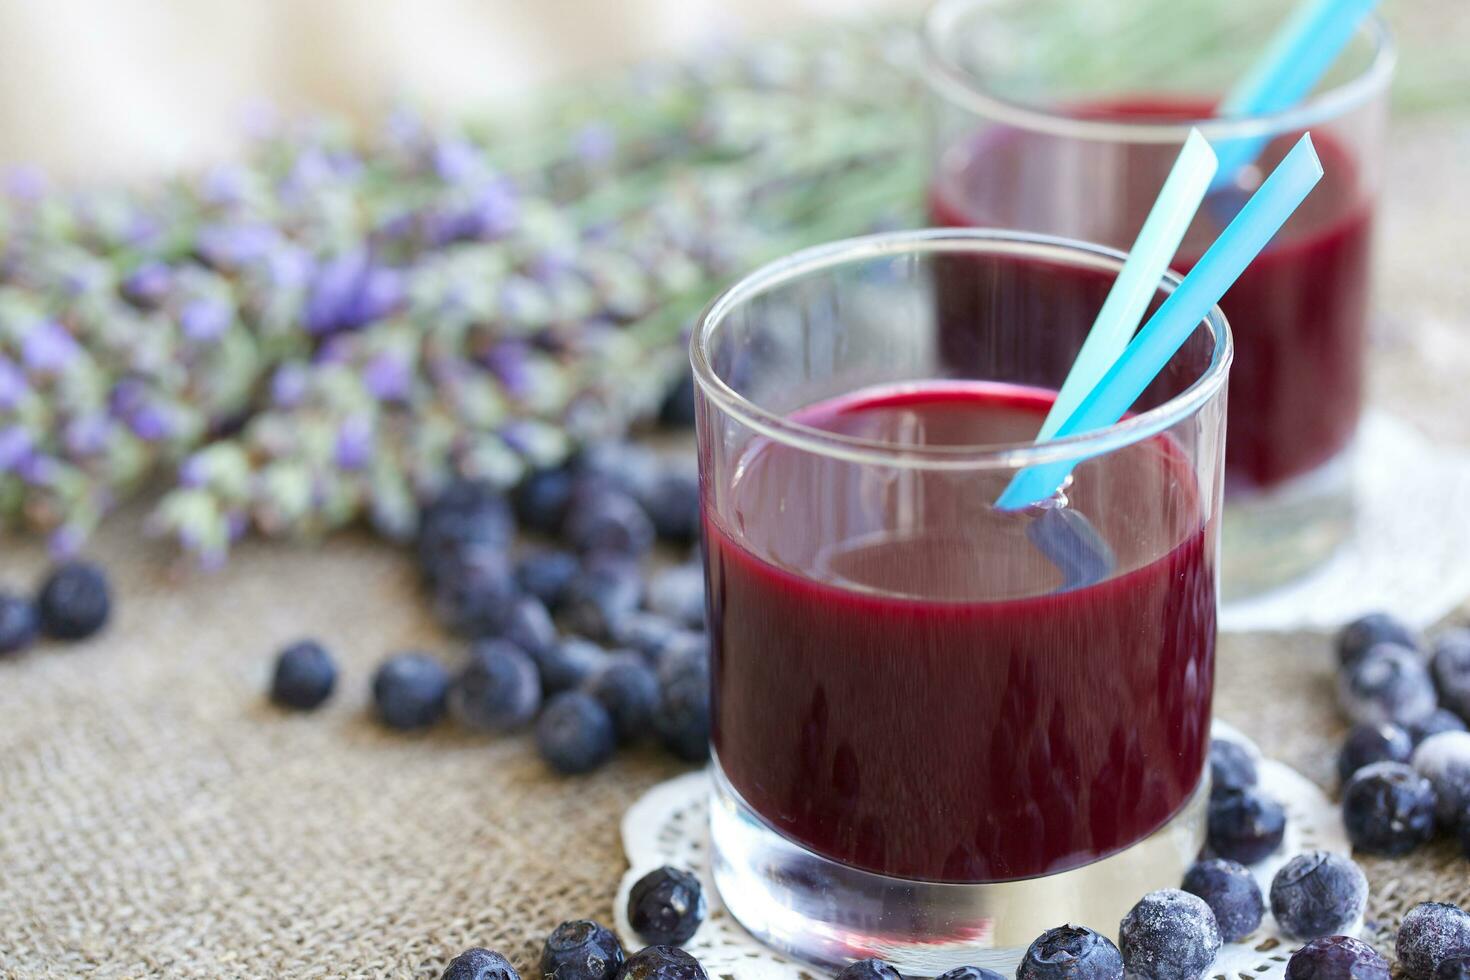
{"x": 158, "y": 819}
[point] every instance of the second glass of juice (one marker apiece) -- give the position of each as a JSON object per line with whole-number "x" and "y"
{"x": 1064, "y": 117}
{"x": 941, "y": 728}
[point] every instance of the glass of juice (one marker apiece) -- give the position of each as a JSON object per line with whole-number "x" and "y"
{"x": 940, "y": 728}
{"x": 1063, "y": 117}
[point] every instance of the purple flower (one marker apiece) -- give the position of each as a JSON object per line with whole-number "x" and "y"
{"x": 354, "y": 443}
{"x": 26, "y": 182}
{"x": 224, "y": 185}
{"x": 15, "y": 448}
{"x": 288, "y": 385}
{"x": 229, "y": 246}
{"x": 508, "y": 362}
{"x": 349, "y": 292}
{"x": 205, "y": 319}
{"x": 193, "y": 471}
{"x": 493, "y": 212}
{"x": 550, "y": 265}
{"x": 86, "y": 435}
{"x": 289, "y": 266}
{"x": 66, "y": 542}
{"x": 387, "y": 376}
{"x": 151, "y": 422}
{"x": 48, "y": 347}
{"x": 13, "y": 385}
{"x": 148, "y": 284}
{"x": 456, "y": 160}
{"x": 595, "y": 144}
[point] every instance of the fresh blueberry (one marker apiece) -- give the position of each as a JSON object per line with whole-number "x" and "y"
{"x": 475, "y": 592}
{"x": 1453, "y": 968}
{"x": 409, "y": 691}
{"x": 575, "y": 733}
{"x": 1246, "y": 826}
{"x": 1437, "y": 721}
{"x": 1318, "y": 894}
{"x": 1232, "y": 767}
{"x": 479, "y": 964}
{"x": 1388, "y": 809}
{"x": 1231, "y": 892}
{"x": 628, "y": 689}
{"x": 673, "y": 504}
{"x": 1451, "y": 671}
{"x": 686, "y": 652}
{"x": 581, "y": 950}
{"x": 1444, "y": 760}
{"x": 1071, "y": 953}
{"x": 19, "y": 623}
{"x": 970, "y": 973}
{"x": 869, "y": 970}
{"x": 1169, "y": 935}
{"x": 662, "y": 963}
{"x": 666, "y": 906}
{"x": 1367, "y": 744}
{"x": 606, "y": 520}
{"x": 1358, "y": 637}
{"x": 546, "y": 575}
{"x": 528, "y": 625}
{"x": 499, "y": 690}
{"x": 1388, "y": 683}
{"x": 645, "y": 633}
{"x": 74, "y": 601}
{"x": 682, "y": 719}
{"x": 677, "y": 409}
{"x": 304, "y": 676}
{"x": 618, "y": 466}
{"x": 606, "y": 589}
{"x": 542, "y": 499}
{"x": 678, "y": 593}
{"x": 1430, "y": 934}
{"x": 569, "y": 664}
{"x": 1336, "y": 958}
{"x": 464, "y": 515}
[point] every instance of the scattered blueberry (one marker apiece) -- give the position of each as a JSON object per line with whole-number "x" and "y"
{"x": 546, "y": 575}
{"x": 629, "y": 691}
{"x": 1336, "y": 958}
{"x": 466, "y": 515}
{"x": 607, "y": 520}
{"x": 581, "y": 950}
{"x": 304, "y": 676}
{"x": 662, "y": 963}
{"x": 1388, "y": 809}
{"x": 409, "y": 691}
{"x": 1388, "y": 683}
{"x": 1367, "y": 744}
{"x": 499, "y": 690}
{"x": 1231, "y": 892}
{"x": 1444, "y": 760}
{"x": 575, "y": 733}
{"x": 1169, "y": 935}
{"x": 1430, "y": 934}
{"x": 542, "y": 499}
{"x": 74, "y": 601}
{"x": 623, "y": 467}
{"x": 686, "y": 652}
{"x": 666, "y": 906}
{"x": 1359, "y": 636}
{"x": 479, "y": 964}
{"x": 528, "y": 625}
{"x": 607, "y": 589}
{"x": 475, "y": 591}
{"x": 678, "y": 593}
{"x": 646, "y": 633}
{"x": 869, "y": 970}
{"x": 1437, "y": 721}
{"x": 1246, "y": 826}
{"x": 1318, "y": 894}
{"x": 1453, "y": 968}
{"x": 673, "y": 505}
{"x": 970, "y": 973}
{"x": 677, "y": 410}
{"x": 1451, "y": 671}
{"x": 682, "y": 719}
{"x": 1071, "y": 953}
{"x": 1232, "y": 767}
{"x": 569, "y": 664}
{"x": 19, "y": 623}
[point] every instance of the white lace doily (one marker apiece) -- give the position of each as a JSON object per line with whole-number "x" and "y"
{"x": 670, "y": 825}
{"x": 1407, "y": 552}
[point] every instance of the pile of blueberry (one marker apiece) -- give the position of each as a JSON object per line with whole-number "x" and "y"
{"x": 576, "y": 640}
{"x": 1405, "y": 766}
{"x": 72, "y": 604}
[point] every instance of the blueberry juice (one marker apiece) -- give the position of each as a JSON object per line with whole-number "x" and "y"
{"x": 940, "y": 727}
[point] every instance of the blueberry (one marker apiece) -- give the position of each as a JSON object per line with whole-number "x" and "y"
{"x": 542, "y": 499}
{"x": 1388, "y": 683}
{"x": 1453, "y": 968}
{"x": 569, "y": 664}
{"x": 666, "y": 906}
{"x": 304, "y": 676}
{"x": 869, "y": 970}
{"x": 1430, "y": 934}
{"x": 648, "y": 634}
{"x": 1388, "y": 809}
{"x": 475, "y": 592}
{"x": 1450, "y": 669}
{"x": 682, "y": 719}
{"x": 1318, "y": 894}
{"x": 607, "y": 589}
{"x": 1169, "y": 935}
{"x": 1336, "y": 958}
{"x": 528, "y": 625}
{"x": 409, "y": 691}
{"x": 575, "y": 733}
{"x": 662, "y": 963}
{"x": 673, "y": 504}
{"x": 1444, "y": 760}
{"x": 629, "y": 691}
{"x": 19, "y": 623}
{"x": 1246, "y": 826}
{"x": 1367, "y": 744}
{"x": 686, "y": 652}
{"x": 546, "y": 576}
{"x": 1437, "y": 721}
{"x": 607, "y": 520}
{"x": 1357, "y": 637}
{"x": 678, "y": 593}
{"x": 970, "y": 973}
{"x": 1232, "y": 767}
{"x": 677, "y": 409}
{"x": 581, "y": 950}
{"x": 1231, "y": 892}
{"x": 622, "y": 467}
{"x": 74, "y": 601}
{"x": 479, "y": 964}
{"x": 499, "y": 690}
{"x": 465, "y": 514}
{"x": 1071, "y": 953}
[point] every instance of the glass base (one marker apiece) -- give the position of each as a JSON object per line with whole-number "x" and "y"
{"x": 1272, "y": 537}
{"x": 829, "y": 914}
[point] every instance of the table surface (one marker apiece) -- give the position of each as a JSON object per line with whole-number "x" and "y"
{"x": 157, "y": 818}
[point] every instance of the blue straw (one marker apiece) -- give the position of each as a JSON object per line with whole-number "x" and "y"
{"x": 1294, "y": 62}
{"x": 1169, "y": 327}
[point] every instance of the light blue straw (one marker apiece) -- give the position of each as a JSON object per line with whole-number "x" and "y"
{"x": 1138, "y": 280}
{"x": 1294, "y": 62}
{"x": 1173, "y": 322}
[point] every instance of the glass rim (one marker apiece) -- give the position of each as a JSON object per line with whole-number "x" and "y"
{"x": 962, "y": 88}
{"x": 935, "y": 241}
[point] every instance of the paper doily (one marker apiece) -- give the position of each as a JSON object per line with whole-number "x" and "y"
{"x": 1406, "y": 553}
{"x": 670, "y": 825}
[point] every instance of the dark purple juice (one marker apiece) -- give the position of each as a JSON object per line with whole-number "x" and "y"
{"x": 1298, "y": 314}
{"x": 904, "y": 683}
